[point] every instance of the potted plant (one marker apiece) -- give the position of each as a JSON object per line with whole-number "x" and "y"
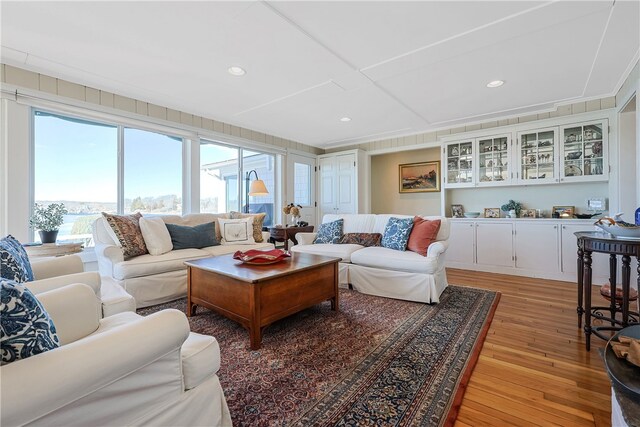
{"x": 513, "y": 208}
{"x": 47, "y": 220}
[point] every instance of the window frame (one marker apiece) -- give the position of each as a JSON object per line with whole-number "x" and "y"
{"x": 192, "y": 137}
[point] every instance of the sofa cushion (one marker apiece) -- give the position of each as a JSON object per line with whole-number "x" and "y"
{"x": 230, "y": 249}
{"x": 328, "y": 249}
{"x": 396, "y": 233}
{"x": 127, "y": 230}
{"x": 197, "y": 219}
{"x": 391, "y": 259}
{"x": 237, "y": 231}
{"x": 329, "y": 232}
{"x": 156, "y": 235}
{"x": 424, "y": 233}
{"x": 200, "y": 359}
{"x": 364, "y": 239}
{"x": 258, "y": 221}
{"x": 354, "y": 223}
{"x": 146, "y": 265}
{"x": 27, "y": 329}
{"x": 199, "y": 236}
{"x": 14, "y": 261}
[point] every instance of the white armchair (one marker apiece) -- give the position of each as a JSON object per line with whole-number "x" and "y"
{"x": 121, "y": 370}
{"x": 53, "y": 273}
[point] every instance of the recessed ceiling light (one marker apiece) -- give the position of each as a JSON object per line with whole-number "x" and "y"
{"x": 236, "y": 71}
{"x": 495, "y": 83}
{"x": 345, "y": 119}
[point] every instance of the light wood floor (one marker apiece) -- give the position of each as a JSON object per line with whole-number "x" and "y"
{"x": 533, "y": 368}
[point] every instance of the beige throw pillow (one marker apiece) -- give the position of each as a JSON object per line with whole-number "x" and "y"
{"x": 127, "y": 230}
{"x": 156, "y": 236}
{"x": 237, "y": 231}
{"x": 258, "y": 220}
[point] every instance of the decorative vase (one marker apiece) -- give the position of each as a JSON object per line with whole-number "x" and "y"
{"x": 512, "y": 213}
{"x": 48, "y": 236}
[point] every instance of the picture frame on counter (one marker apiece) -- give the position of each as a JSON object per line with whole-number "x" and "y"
{"x": 563, "y": 211}
{"x": 528, "y": 213}
{"x": 492, "y": 212}
{"x": 457, "y": 211}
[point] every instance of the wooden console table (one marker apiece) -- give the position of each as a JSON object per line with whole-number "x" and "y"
{"x": 589, "y": 242}
{"x": 284, "y": 234}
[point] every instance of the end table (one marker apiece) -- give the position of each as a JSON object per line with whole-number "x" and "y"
{"x": 52, "y": 249}
{"x": 284, "y": 234}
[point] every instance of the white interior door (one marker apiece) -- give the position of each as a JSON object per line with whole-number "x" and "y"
{"x": 346, "y": 183}
{"x": 301, "y": 185}
{"x": 327, "y": 199}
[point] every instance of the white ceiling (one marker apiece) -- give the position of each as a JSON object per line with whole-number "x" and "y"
{"x": 395, "y": 68}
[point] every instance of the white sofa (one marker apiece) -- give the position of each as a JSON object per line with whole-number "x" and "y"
{"x": 381, "y": 271}
{"x": 117, "y": 371}
{"x": 154, "y": 279}
{"x": 54, "y": 273}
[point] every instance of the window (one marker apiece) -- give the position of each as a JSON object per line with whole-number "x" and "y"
{"x": 152, "y": 172}
{"x": 264, "y": 165}
{"x": 218, "y": 178}
{"x": 75, "y": 163}
{"x": 302, "y": 184}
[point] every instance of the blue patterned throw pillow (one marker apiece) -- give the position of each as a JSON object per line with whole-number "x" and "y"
{"x": 396, "y": 233}
{"x": 26, "y": 328}
{"x": 330, "y": 232}
{"x": 14, "y": 261}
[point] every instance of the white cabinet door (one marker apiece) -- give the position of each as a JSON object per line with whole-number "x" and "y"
{"x": 461, "y": 243}
{"x": 494, "y": 244}
{"x": 327, "y": 186}
{"x": 599, "y": 264}
{"x": 346, "y": 183}
{"x": 537, "y": 246}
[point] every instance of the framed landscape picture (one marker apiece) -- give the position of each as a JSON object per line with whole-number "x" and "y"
{"x": 420, "y": 177}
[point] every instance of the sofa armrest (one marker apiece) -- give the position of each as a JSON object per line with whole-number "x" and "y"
{"x": 51, "y": 267}
{"x": 437, "y": 248}
{"x": 306, "y": 238}
{"x": 108, "y": 256}
{"x": 101, "y": 366}
{"x": 90, "y": 278}
{"x": 74, "y": 309}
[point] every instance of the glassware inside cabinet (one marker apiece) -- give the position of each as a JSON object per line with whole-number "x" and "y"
{"x": 583, "y": 150}
{"x": 537, "y": 155}
{"x": 493, "y": 158}
{"x": 460, "y": 163}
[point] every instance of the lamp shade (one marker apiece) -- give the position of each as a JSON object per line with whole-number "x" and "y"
{"x": 258, "y": 188}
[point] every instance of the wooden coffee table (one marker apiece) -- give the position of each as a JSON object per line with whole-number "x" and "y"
{"x": 257, "y": 295}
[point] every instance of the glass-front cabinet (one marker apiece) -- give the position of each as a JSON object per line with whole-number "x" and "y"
{"x": 537, "y": 156}
{"x": 494, "y": 155}
{"x": 459, "y": 164}
{"x": 584, "y": 152}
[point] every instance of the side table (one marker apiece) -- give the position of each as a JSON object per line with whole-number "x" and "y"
{"x": 52, "y": 249}
{"x": 284, "y": 234}
{"x": 589, "y": 242}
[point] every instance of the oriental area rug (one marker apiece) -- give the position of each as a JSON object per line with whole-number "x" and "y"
{"x": 377, "y": 361}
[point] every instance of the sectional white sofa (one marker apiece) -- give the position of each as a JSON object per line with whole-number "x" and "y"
{"x": 381, "y": 271}
{"x": 154, "y": 279}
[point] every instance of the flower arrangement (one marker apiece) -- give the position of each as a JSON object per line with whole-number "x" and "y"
{"x": 293, "y": 210}
{"x": 48, "y": 218}
{"x": 512, "y": 206}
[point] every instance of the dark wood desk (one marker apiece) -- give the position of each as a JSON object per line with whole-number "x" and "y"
{"x": 589, "y": 242}
{"x": 284, "y": 234}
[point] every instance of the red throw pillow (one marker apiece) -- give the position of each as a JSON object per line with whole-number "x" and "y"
{"x": 424, "y": 233}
